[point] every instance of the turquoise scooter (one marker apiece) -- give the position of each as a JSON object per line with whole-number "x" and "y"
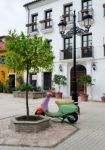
{"x": 67, "y": 109}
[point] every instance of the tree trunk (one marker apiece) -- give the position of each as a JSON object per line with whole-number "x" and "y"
{"x": 84, "y": 88}
{"x": 27, "y": 105}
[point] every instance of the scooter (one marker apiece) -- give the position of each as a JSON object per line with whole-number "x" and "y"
{"x": 67, "y": 109}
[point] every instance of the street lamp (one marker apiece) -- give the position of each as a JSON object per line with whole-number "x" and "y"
{"x": 75, "y": 30}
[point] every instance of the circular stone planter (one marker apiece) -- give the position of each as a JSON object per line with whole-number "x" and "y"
{"x": 35, "y": 124}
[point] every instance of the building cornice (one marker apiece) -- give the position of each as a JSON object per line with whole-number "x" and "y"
{"x": 37, "y": 3}
{"x": 33, "y": 2}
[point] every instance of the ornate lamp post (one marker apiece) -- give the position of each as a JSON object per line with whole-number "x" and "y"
{"x": 75, "y": 30}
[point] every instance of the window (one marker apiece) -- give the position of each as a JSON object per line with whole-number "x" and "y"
{"x": 87, "y": 40}
{"x": 104, "y": 12}
{"x": 87, "y": 45}
{"x": 48, "y": 21}
{"x": 49, "y": 41}
{"x": 86, "y": 4}
{"x": 68, "y": 43}
{"x": 104, "y": 9}
{"x": 34, "y": 22}
{"x": 86, "y": 7}
{"x": 68, "y": 48}
{"x": 104, "y": 50}
{"x": 67, "y": 13}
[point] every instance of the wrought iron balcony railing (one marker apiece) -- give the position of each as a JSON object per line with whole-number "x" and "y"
{"x": 66, "y": 54}
{"x": 83, "y": 52}
{"x": 46, "y": 23}
{"x": 87, "y": 51}
{"x": 32, "y": 27}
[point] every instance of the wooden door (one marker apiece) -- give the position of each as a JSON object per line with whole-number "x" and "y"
{"x": 80, "y": 71}
{"x": 11, "y": 80}
{"x": 47, "y": 80}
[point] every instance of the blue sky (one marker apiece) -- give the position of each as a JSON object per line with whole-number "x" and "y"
{"x": 12, "y": 16}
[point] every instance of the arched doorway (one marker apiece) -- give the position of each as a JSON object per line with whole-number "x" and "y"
{"x": 80, "y": 71}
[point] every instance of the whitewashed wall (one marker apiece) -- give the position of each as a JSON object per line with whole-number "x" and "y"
{"x": 98, "y": 32}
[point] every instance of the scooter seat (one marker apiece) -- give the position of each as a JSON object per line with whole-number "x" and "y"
{"x": 64, "y": 101}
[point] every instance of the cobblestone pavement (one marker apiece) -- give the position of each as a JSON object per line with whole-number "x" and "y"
{"x": 91, "y": 124}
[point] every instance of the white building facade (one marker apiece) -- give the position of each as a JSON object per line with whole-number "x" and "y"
{"x": 43, "y": 17}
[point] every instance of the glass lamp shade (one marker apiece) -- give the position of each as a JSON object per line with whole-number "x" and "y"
{"x": 88, "y": 20}
{"x": 62, "y": 26}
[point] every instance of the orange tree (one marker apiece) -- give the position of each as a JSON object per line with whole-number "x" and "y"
{"x": 26, "y": 52}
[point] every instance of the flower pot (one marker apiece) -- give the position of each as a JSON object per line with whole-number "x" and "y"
{"x": 84, "y": 97}
{"x": 58, "y": 94}
{"x": 84, "y": 10}
{"x": 103, "y": 98}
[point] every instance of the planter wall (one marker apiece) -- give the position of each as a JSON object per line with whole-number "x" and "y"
{"x": 32, "y": 95}
{"x": 29, "y": 126}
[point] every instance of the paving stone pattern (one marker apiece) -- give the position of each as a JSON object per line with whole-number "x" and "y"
{"x": 53, "y": 135}
{"x": 91, "y": 124}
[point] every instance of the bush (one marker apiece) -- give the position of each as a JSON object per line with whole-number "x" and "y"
{"x": 30, "y": 88}
{"x": 24, "y": 86}
{"x": 60, "y": 80}
{"x": 38, "y": 88}
{"x": 1, "y": 87}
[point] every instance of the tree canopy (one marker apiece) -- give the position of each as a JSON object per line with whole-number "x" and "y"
{"x": 26, "y": 52}
{"x": 33, "y": 51}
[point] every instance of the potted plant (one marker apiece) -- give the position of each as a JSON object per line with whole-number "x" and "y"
{"x": 103, "y": 97}
{"x": 60, "y": 80}
{"x": 85, "y": 80}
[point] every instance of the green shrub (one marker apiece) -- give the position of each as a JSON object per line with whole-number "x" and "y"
{"x": 60, "y": 80}
{"x": 1, "y": 87}
{"x": 24, "y": 86}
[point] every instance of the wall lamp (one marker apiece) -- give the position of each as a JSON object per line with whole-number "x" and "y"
{"x": 94, "y": 66}
{"x": 60, "y": 68}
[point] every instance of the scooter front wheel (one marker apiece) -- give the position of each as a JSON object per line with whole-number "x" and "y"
{"x": 72, "y": 118}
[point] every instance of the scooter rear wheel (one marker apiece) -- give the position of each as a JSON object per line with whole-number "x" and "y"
{"x": 72, "y": 118}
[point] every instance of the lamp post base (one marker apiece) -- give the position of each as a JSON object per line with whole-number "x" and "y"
{"x": 75, "y": 97}
{"x": 74, "y": 91}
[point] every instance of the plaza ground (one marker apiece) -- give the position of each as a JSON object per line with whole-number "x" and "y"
{"x": 91, "y": 124}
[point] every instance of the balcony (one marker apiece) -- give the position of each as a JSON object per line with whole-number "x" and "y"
{"x": 85, "y": 13}
{"x": 66, "y": 54}
{"x": 46, "y": 25}
{"x": 83, "y": 52}
{"x": 86, "y": 52}
{"x": 32, "y": 27}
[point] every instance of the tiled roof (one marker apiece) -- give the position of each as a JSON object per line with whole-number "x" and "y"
{"x": 35, "y": 1}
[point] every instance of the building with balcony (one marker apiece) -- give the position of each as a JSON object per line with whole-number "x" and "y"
{"x": 43, "y": 17}
{"x": 7, "y": 76}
